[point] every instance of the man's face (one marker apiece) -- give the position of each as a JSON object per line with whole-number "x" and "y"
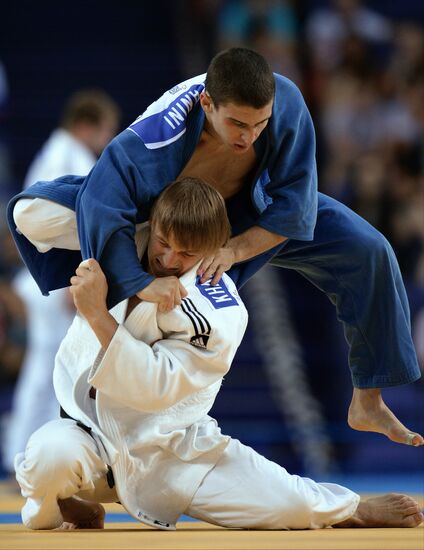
{"x": 237, "y": 126}
{"x": 166, "y": 257}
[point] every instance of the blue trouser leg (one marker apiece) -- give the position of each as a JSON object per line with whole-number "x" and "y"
{"x": 356, "y": 267}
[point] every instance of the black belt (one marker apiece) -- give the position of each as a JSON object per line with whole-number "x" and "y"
{"x": 109, "y": 475}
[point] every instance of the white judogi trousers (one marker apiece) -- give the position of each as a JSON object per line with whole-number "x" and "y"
{"x": 243, "y": 490}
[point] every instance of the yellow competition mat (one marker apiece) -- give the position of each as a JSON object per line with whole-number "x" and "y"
{"x": 121, "y": 532}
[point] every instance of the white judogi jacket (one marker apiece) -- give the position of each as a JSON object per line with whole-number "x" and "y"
{"x": 156, "y": 383}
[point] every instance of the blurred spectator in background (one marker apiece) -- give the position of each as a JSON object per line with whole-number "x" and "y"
{"x": 195, "y": 33}
{"x": 12, "y": 314}
{"x": 90, "y": 120}
{"x": 328, "y": 27}
{"x": 12, "y": 334}
{"x": 12, "y": 309}
{"x": 268, "y": 26}
{"x": 204, "y": 27}
{"x": 407, "y": 61}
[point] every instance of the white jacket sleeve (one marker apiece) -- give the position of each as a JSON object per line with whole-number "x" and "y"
{"x": 153, "y": 378}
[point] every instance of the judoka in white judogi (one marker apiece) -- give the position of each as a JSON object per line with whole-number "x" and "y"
{"x": 155, "y": 385}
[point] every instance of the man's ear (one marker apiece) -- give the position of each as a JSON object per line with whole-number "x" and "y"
{"x": 206, "y": 102}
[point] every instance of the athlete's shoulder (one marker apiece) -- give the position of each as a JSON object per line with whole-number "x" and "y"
{"x": 209, "y": 317}
{"x": 288, "y": 97}
{"x": 282, "y": 83}
{"x": 221, "y": 303}
{"x": 289, "y": 107}
{"x": 216, "y": 313}
{"x": 164, "y": 121}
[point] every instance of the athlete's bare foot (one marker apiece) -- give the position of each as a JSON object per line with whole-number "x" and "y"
{"x": 369, "y": 413}
{"x": 81, "y": 514}
{"x": 392, "y": 510}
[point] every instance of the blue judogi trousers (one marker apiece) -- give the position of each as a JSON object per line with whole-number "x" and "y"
{"x": 356, "y": 267}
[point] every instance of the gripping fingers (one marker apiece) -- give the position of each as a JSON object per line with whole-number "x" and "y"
{"x": 208, "y": 273}
{"x": 218, "y": 274}
{"x": 216, "y": 270}
{"x": 85, "y": 264}
{"x": 167, "y": 302}
{"x": 90, "y": 264}
{"x": 81, "y": 271}
{"x": 204, "y": 267}
{"x": 165, "y": 307}
{"x": 173, "y": 299}
{"x": 86, "y": 267}
{"x": 74, "y": 280}
{"x": 182, "y": 291}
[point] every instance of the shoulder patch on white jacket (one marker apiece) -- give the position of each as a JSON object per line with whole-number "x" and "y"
{"x": 219, "y": 295}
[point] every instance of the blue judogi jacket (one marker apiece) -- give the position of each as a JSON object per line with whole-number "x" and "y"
{"x": 136, "y": 166}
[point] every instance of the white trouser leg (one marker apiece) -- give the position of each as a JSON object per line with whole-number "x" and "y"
{"x": 246, "y": 490}
{"x": 61, "y": 460}
{"x": 46, "y": 224}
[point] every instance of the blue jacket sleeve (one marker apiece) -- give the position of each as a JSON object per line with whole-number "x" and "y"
{"x": 53, "y": 269}
{"x": 292, "y": 174}
{"x": 116, "y": 195}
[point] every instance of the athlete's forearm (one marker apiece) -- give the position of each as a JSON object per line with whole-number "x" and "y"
{"x": 104, "y": 327}
{"x": 89, "y": 290}
{"x": 253, "y": 242}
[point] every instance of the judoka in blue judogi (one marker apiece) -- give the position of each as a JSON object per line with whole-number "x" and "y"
{"x": 327, "y": 243}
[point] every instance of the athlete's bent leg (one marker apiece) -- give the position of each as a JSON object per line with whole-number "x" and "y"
{"x": 59, "y": 462}
{"x": 356, "y": 267}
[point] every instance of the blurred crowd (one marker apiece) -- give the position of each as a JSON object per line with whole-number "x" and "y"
{"x": 362, "y": 75}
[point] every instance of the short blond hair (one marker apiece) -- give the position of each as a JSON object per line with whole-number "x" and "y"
{"x": 194, "y": 213}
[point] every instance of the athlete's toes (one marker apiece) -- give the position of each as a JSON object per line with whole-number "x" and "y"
{"x": 414, "y": 439}
{"x": 411, "y": 509}
{"x": 400, "y": 435}
{"x": 413, "y": 521}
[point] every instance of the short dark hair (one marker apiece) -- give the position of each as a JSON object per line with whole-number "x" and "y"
{"x": 240, "y": 76}
{"x": 195, "y": 213}
{"x": 91, "y": 106}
